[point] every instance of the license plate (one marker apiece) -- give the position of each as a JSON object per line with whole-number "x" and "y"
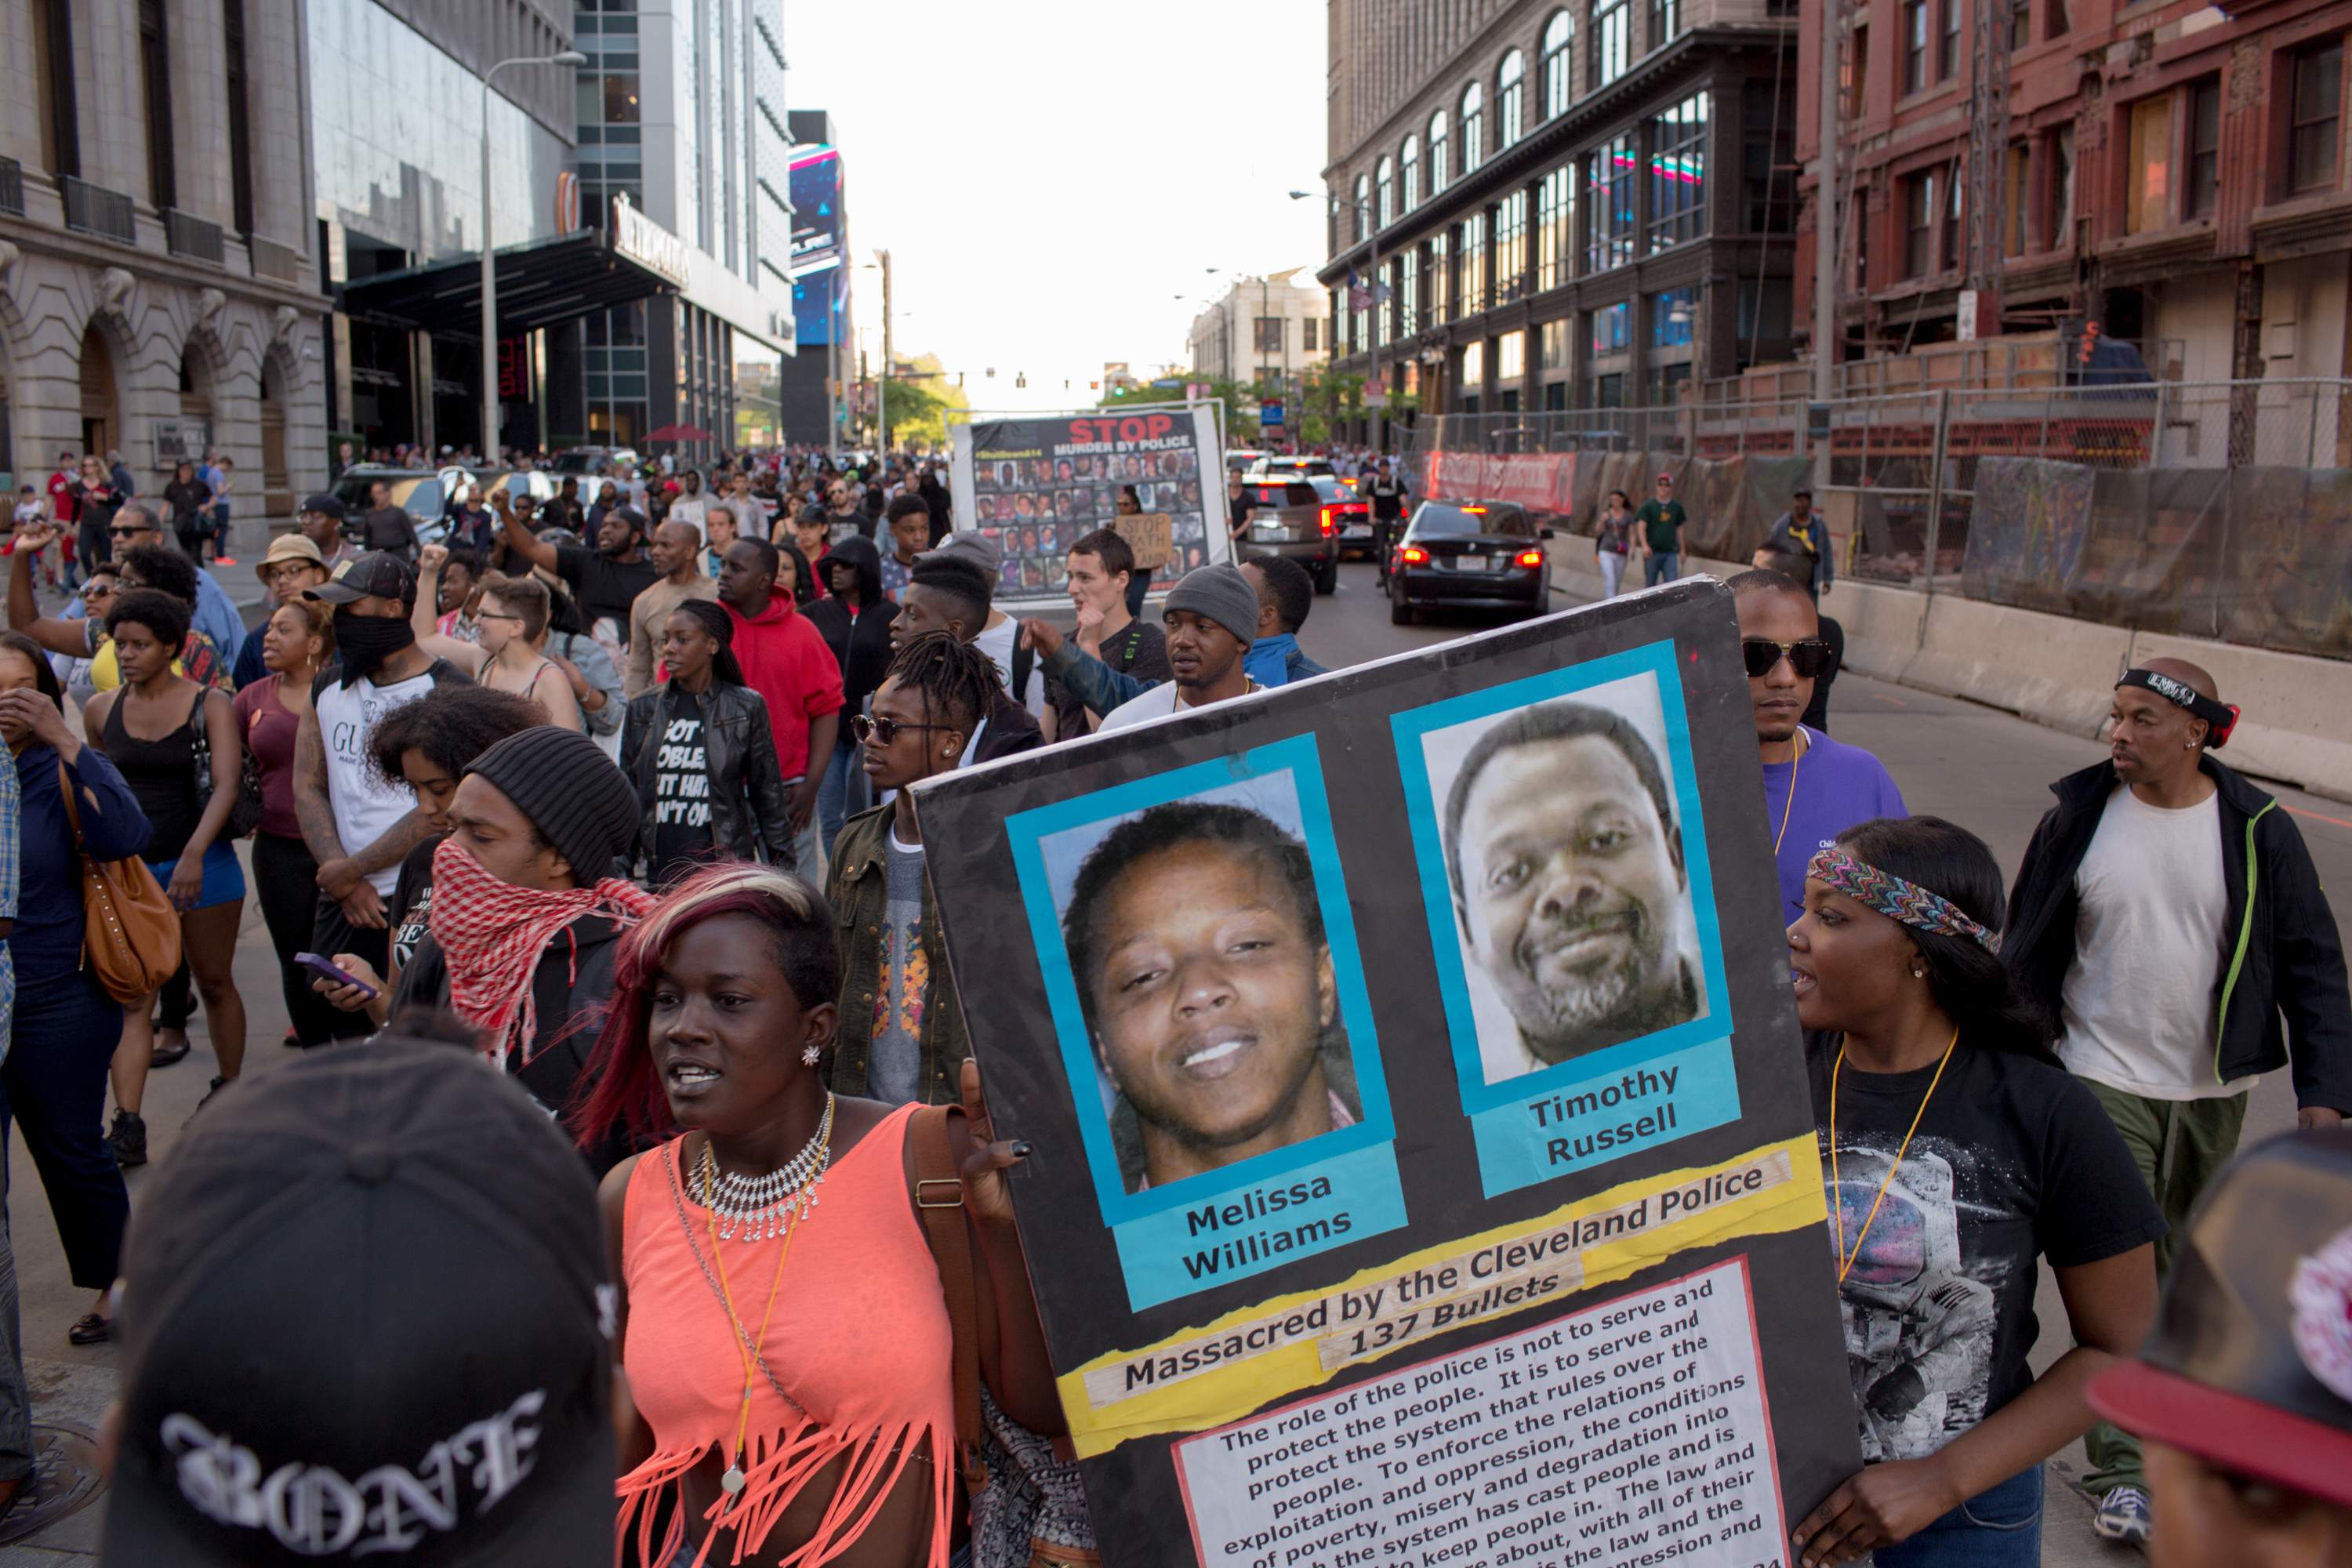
{"x": 1268, "y": 531}
{"x": 1362, "y": 531}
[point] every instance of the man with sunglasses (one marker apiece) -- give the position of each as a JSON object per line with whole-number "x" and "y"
{"x": 216, "y": 617}
{"x": 901, "y": 1033}
{"x": 1815, "y": 788}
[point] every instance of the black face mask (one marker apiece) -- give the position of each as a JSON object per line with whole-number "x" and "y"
{"x": 365, "y": 642}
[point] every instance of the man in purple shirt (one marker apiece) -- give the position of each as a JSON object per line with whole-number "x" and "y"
{"x": 1815, "y": 788}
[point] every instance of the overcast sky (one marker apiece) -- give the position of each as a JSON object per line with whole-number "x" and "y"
{"x": 1049, "y": 177}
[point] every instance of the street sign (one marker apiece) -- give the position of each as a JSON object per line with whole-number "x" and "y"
{"x": 1270, "y": 414}
{"x": 1965, "y": 328}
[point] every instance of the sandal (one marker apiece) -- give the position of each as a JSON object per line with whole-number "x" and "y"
{"x": 90, "y": 1329}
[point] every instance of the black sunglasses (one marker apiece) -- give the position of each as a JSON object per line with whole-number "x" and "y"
{"x": 1807, "y": 658}
{"x": 866, "y": 728}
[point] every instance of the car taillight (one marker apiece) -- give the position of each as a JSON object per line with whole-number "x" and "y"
{"x": 1531, "y": 557}
{"x": 1413, "y": 555}
{"x": 1329, "y": 527}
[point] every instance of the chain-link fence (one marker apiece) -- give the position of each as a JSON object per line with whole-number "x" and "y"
{"x": 2221, "y": 508}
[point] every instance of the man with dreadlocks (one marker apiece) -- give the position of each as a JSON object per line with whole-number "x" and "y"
{"x": 901, "y": 1030}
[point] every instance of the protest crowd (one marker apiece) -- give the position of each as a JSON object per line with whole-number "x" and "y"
{"x": 638, "y": 1168}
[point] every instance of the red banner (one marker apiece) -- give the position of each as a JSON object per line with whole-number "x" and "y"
{"x": 1541, "y": 482}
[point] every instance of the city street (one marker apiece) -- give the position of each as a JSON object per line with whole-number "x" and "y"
{"x": 1984, "y": 769}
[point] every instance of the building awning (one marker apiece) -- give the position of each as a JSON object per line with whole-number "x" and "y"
{"x": 542, "y": 283}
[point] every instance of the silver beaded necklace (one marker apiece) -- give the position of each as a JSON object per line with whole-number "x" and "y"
{"x": 761, "y": 1205}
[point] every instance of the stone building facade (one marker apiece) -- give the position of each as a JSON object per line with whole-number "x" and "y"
{"x": 159, "y": 290}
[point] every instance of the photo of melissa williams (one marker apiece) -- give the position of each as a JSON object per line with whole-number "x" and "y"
{"x": 1559, "y": 871}
{"x": 1215, "y": 994}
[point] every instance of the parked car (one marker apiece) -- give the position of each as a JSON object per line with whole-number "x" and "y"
{"x": 419, "y": 493}
{"x": 1303, "y": 519}
{"x": 1286, "y": 466}
{"x": 1488, "y": 555}
{"x": 586, "y": 459}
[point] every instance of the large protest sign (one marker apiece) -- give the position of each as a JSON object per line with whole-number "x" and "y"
{"x": 1037, "y": 485}
{"x": 1389, "y": 1205}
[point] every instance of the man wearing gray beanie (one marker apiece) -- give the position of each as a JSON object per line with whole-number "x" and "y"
{"x": 526, "y": 910}
{"x": 1212, "y": 618}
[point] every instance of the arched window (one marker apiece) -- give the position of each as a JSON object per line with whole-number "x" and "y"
{"x": 1408, "y": 192}
{"x": 1473, "y": 127}
{"x": 1558, "y": 81}
{"x": 1437, "y": 166}
{"x": 1384, "y": 203}
{"x": 1510, "y": 91}
{"x": 1362, "y": 228}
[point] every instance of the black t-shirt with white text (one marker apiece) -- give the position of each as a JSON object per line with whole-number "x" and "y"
{"x": 410, "y": 911}
{"x": 2013, "y": 1159}
{"x": 682, "y": 841}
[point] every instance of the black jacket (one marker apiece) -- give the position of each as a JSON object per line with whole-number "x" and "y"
{"x": 860, "y": 641}
{"x": 2281, "y": 953}
{"x": 1010, "y": 728}
{"x": 750, "y": 807}
{"x": 570, "y": 986}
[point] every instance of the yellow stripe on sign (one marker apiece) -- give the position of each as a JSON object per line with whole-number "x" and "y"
{"x": 1211, "y": 1375}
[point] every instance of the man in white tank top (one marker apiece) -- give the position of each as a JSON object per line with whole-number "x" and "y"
{"x": 356, "y": 826}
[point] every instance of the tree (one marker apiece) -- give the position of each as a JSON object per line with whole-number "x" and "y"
{"x": 918, "y": 401}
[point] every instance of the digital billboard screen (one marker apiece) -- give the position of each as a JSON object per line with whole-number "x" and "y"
{"x": 819, "y": 281}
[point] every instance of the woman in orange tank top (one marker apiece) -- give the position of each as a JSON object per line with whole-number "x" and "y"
{"x": 783, "y": 1331}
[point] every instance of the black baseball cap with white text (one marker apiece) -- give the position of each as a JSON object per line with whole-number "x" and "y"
{"x": 366, "y": 1317}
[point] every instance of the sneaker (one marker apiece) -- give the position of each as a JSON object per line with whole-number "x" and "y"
{"x": 2123, "y": 1517}
{"x": 128, "y": 1138}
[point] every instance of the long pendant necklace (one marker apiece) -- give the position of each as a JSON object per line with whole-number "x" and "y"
{"x": 797, "y": 1206}
{"x": 763, "y": 1205}
{"x": 1845, "y": 1259}
{"x": 1791, "y": 804}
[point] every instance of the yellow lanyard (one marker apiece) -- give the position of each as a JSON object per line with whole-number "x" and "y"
{"x": 1845, "y": 1259}
{"x": 1790, "y": 805}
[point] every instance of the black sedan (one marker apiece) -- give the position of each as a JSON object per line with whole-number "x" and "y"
{"x": 1473, "y": 553}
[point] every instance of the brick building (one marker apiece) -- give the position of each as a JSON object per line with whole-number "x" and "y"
{"x": 1572, "y": 207}
{"x": 2175, "y": 172}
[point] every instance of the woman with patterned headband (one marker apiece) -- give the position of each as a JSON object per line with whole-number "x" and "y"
{"x": 1957, "y": 1152}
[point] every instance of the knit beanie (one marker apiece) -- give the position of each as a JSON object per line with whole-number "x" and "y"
{"x": 571, "y": 790}
{"x": 1223, "y": 595}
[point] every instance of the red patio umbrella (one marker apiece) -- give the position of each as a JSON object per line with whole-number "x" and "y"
{"x": 679, "y": 433}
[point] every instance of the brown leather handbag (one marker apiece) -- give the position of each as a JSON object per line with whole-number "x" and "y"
{"x": 131, "y": 932}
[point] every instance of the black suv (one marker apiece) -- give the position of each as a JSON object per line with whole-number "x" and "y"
{"x": 1470, "y": 554}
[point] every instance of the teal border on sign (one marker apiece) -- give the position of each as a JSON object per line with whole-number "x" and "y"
{"x": 1656, "y": 659}
{"x": 1027, "y": 830}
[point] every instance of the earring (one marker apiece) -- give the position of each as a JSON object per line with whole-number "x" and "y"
{"x": 809, "y": 1056}
{"x": 1918, "y": 974}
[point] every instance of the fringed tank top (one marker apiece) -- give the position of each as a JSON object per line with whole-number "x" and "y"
{"x": 859, "y": 1339}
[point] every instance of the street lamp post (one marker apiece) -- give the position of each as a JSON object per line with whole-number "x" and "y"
{"x": 574, "y": 58}
{"x": 1364, "y": 218}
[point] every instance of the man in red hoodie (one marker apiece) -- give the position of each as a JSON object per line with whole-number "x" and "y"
{"x": 786, "y": 661}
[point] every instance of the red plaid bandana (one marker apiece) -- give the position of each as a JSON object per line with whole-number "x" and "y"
{"x": 492, "y": 933}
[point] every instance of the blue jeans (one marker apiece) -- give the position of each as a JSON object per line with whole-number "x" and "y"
{"x": 2000, "y": 1527}
{"x": 1657, "y": 567}
{"x": 844, "y": 793}
{"x": 53, "y": 1085}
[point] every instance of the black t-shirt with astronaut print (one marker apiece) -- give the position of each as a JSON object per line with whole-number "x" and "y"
{"x": 2014, "y": 1158}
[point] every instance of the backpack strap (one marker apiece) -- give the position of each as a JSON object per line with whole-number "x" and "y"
{"x": 1022, "y": 661}
{"x": 939, "y": 1201}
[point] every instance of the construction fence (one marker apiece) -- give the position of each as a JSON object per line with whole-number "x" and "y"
{"x": 2219, "y": 510}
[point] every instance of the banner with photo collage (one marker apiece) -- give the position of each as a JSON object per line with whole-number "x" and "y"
{"x": 1373, "y": 1218}
{"x": 1037, "y": 485}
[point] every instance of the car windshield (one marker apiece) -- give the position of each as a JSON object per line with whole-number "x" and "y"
{"x": 1295, "y": 492}
{"x": 1470, "y": 517}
